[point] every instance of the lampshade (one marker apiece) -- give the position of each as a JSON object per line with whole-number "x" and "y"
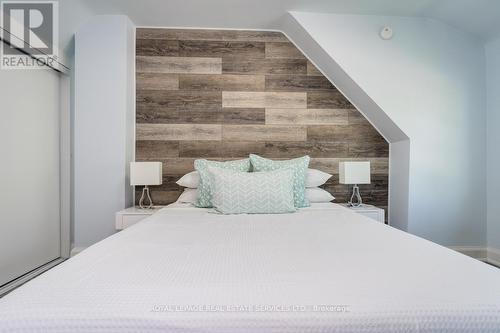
{"x": 354, "y": 172}
{"x": 145, "y": 173}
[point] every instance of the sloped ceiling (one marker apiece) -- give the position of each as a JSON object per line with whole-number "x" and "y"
{"x": 480, "y": 18}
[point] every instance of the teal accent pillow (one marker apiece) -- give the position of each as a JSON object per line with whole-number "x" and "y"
{"x": 236, "y": 192}
{"x": 299, "y": 167}
{"x": 204, "y": 187}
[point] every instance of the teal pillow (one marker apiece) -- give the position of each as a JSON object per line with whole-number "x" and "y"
{"x": 299, "y": 167}
{"x": 204, "y": 187}
{"x": 236, "y": 192}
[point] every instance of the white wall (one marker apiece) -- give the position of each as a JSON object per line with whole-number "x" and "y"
{"x": 429, "y": 79}
{"x": 103, "y": 125}
{"x": 399, "y": 142}
{"x": 493, "y": 145}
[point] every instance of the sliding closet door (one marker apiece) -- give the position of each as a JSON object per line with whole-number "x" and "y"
{"x": 29, "y": 171}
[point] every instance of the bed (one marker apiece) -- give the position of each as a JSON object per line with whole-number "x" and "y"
{"x": 321, "y": 269}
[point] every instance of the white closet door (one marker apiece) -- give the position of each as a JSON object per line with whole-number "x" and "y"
{"x": 29, "y": 171}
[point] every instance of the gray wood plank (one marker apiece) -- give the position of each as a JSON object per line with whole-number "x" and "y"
{"x": 236, "y": 116}
{"x": 327, "y": 133}
{"x": 201, "y": 149}
{"x": 365, "y": 141}
{"x": 220, "y": 149}
{"x": 179, "y": 100}
{"x": 157, "y": 81}
{"x": 227, "y": 82}
{"x": 307, "y": 116}
{"x": 369, "y": 148}
{"x": 165, "y": 132}
{"x": 169, "y": 183}
{"x": 241, "y": 149}
{"x": 157, "y": 47}
{"x": 312, "y": 70}
{"x": 364, "y": 132}
{"x": 177, "y": 166}
{"x": 327, "y": 100}
{"x": 285, "y": 100}
{"x": 196, "y": 48}
{"x": 210, "y": 34}
{"x": 161, "y": 197}
{"x": 241, "y": 116}
{"x": 178, "y": 65}
{"x": 356, "y": 118}
{"x": 283, "y": 50}
{"x": 264, "y": 66}
{"x": 263, "y": 133}
{"x": 297, "y": 83}
{"x": 298, "y": 149}
{"x": 153, "y": 150}
{"x": 165, "y": 115}
{"x": 245, "y": 99}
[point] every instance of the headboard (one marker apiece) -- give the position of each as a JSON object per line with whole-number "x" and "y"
{"x": 223, "y": 94}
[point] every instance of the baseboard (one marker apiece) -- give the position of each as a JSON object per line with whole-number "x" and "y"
{"x": 493, "y": 256}
{"x": 476, "y": 252}
{"x": 486, "y": 254}
{"x": 7, "y": 288}
{"x": 76, "y": 250}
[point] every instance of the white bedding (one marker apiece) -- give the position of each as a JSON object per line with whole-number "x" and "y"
{"x": 371, "y": 277}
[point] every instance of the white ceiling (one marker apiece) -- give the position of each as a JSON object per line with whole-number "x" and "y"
{"x": 477, "y": 17}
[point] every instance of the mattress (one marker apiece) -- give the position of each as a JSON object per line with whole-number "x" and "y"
{"x": 322, "y": 269}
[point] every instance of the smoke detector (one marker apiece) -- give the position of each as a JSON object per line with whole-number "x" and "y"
{"x": 386, "y": 33}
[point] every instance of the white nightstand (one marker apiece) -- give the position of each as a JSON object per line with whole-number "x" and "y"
{"x": 129, "y": 216}
{"x": 375, "y": 213}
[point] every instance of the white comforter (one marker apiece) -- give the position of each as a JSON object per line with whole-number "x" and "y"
{"x": 323, "y": 269}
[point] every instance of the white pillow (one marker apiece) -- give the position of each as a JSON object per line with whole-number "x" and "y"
{"x": 312, "y": 194}
{"x": 189, "y": 180}
{"x": 188, "y": 196}
{"x": 317, "y": 195}
{"x": 316, "y": 177}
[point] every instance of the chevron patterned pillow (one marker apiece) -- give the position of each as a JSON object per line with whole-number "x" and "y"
{"x": 204, "y": 187}
{"x": 252, "y": 193}
{"x": 299, "y": 167}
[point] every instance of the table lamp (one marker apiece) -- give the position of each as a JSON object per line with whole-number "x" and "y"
{"x": 145, "y": 173}
{"x": 354, "y": 173}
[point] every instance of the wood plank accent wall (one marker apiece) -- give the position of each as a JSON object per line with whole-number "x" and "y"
{"x": 222, "y": 94}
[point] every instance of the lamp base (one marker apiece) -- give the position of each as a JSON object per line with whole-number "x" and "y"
{"x": 357, "y": 196}
{"x": 145, "y": 195}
